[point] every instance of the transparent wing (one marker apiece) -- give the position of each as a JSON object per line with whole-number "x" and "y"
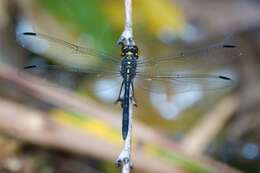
{"x": 90, "y": 63}
{"x": 189, "y": 71}
{"x": 64, "y": 51}
{"x": 183, "y": 83}
{"x": 200, "y": 60}
{"x": 72, "y": 77}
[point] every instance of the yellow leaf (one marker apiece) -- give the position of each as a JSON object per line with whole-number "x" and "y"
{"x": 89, "y": 125}
{"x": 155, "y": 15}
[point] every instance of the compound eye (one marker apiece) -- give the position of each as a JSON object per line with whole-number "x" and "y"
{"x": 126, "y": 50}
{"x": 135, "y": 49}
{"x": 132, "y": 50}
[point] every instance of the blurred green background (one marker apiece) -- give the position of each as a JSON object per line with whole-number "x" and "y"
{"x": 72, "y": 127}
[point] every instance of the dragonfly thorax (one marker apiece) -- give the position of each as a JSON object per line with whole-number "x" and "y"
{"x": 129, "y": 56}
{"x": 129, "y": 51}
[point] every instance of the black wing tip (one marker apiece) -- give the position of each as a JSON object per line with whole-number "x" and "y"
{"x": 229, "y": 46}
{"x": 29, "y": 33}
{"x": 29, "y": 66}
{"x": 224, "y": 77}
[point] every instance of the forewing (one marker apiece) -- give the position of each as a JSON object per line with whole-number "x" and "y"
{"x": 200, "y": 60}
{"x": 64, "y": 51}
{"x": 194, "y": 70}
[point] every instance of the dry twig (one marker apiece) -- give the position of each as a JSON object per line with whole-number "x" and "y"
{"x": 126, "y": 38}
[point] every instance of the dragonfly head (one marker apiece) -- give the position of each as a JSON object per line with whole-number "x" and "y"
{"x": 130, "y": 50}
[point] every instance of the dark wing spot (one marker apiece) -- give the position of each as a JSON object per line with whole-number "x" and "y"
{"x": 228, "y": 46}
{"x": 224, "y": 77}
{"x": 30, "y": 66}
{"x": 29, "y": 33}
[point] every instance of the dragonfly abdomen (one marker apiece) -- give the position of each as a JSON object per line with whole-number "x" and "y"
{"x": 125, "y": 120}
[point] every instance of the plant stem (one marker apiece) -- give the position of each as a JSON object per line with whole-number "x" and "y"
{"x": 126, "y": 38}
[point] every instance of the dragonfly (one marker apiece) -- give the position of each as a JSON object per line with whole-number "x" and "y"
{"x": 182, "y": 72}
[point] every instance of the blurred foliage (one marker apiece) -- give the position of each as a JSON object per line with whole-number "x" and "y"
{"x": 104, "y": 19}
{"x": 86, "y": 17}
{"x": 155, "y": 16}
{"x": 88, "y": 124}
{"x": 184, "y": 163}
{"x": 105, "y": 132}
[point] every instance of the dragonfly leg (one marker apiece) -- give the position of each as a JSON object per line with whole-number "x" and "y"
{"x": 133, "y": 95}
{"x": 119, "y": 163}
{"x": 119, "y": 99}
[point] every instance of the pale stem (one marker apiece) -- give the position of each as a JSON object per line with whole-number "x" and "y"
{"x": 126, "y": 38}
{"x": 124, "y": 158}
